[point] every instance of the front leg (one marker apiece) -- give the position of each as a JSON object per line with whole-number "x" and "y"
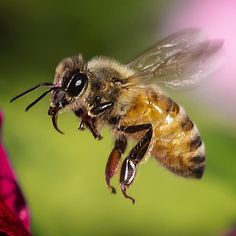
{"x": 88, "y": 121}
{"x": 129, "y": 166}
{"x": 81, "y": 126}
{"x": 102, "y": 107}
{"x": 91, "y": 120}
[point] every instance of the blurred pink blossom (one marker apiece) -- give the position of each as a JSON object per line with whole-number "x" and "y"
{"x": 14, "y": 214}
{"x": 230, "y": 232}
{"x": 217, "y": 20}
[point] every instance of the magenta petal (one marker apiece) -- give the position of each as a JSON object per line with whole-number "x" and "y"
{"x": 10, "y": 224}
{"x": 9, "y": 189}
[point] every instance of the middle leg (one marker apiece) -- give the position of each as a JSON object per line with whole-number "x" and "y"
{"x": 114, "y": 159}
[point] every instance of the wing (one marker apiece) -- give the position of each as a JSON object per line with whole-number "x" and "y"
{"x": 177, "y": 61}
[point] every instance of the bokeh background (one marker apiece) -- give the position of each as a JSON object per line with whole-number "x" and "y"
{"x": 63, "y": 175}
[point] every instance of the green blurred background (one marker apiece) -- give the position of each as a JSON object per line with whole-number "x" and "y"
{"x": 63, "y": 176}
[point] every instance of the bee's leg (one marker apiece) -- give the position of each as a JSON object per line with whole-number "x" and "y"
{"x": 81, "y": 126}
{"x": 89, "y": 122}
{"x": 114, "y": 159}
{"x": 128, "y": 169}
{"x": 101, "y": 108}
{"x": 79, "y": 114}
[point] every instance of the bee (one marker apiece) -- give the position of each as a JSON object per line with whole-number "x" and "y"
{"x": 130, "y": 100}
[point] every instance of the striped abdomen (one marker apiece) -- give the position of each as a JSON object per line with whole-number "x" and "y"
{"x": 176, "y": 143}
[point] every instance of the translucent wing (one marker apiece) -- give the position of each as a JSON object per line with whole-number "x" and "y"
{"x": 177, "y": 61}
{"x": 166, "y": 48}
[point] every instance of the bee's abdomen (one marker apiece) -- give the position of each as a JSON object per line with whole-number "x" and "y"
{"x": 176, "y": 143}
{"x": 178, "y": 146}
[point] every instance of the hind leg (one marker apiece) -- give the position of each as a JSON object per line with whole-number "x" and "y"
{"x": 129, "y": 166}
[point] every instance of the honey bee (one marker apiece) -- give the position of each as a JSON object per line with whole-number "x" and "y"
{"x": 130, "y": 100}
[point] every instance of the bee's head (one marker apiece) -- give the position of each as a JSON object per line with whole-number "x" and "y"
{"x": 70, "y": 82}
{"x": 70, "y": 87}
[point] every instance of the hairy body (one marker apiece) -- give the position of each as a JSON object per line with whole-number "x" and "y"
{"x": 128, "y": 98}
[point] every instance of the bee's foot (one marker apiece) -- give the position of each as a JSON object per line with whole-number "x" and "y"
{"x": 123, "y": 189}
{"x": 81, "y": 126}
{"x": 99, "y": 137}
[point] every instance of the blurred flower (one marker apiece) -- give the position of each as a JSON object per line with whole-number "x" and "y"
{"x": 217, "y": 20}
{"x": 230, "y": 232}
{"x": 14, "y": 214}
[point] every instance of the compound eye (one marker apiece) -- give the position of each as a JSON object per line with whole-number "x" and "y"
{"x": 76, "y": 84}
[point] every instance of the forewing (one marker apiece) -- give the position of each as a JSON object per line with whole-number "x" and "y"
{"x": 166, "y": 48}
{"x": 180, "y": 69}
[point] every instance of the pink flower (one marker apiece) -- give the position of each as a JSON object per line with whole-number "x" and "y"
{"x": 14, "y": 214}
{"x": 217, "y": 20}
